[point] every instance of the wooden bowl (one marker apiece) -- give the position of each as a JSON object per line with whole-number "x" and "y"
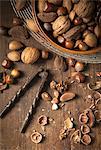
{"x": 55, "y": 45}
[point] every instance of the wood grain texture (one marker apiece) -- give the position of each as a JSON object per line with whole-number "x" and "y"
{"x": 10, "y": 136}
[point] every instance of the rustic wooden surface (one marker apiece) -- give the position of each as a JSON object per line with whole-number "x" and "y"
{"x": 10, "y": 137}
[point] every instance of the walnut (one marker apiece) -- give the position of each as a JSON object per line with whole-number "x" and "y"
{"x": 85, "y": 8}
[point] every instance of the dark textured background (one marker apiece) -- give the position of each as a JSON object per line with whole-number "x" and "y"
{"x": 10, "y": 137}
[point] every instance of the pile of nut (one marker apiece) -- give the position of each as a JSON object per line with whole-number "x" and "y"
{"x": 75, "y": 24}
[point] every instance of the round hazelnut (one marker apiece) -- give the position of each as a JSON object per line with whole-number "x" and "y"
{"x": 7, "y": 63}
{"x": 61, "y": 11}
{"x": 69, "y": 44}
{"x": 47, "y": 26}
{"x": 14, "y": 45}
{"x": 13, "y": 56}
{"x": 79, "y": 66}
{"x": 71, "y": 62}
{"x": 61, "y": 40}
{"x": 83, "y": 46}
{"x": 15, "y": 73}
{"x": 45, "y": 54}
{"x": 9, "y": 79}
{"x": 77, "y": 21}
{"x": 17, "y": 21}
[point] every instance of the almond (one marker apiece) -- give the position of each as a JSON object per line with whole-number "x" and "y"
{"x": 67, "y": 96}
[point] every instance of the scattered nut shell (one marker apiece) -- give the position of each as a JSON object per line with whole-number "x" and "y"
{"x": 67, "y": 96}
{"x": 55, "y": 107}
{"x": 62, "y": 134}
{"x": 42, "y": 120}
{"x": 68, "y": 124}
{"x": 13, "y": 56}
{"x": 85, "y": 129}
{"x": 86, "y": 139}
{"x": 36, "y": 137}
{"x": 95, "y": 86}
{"x": 83, "y": 118}
{"x": 91, "y": 117}
{"x": 30, "y": 55}
{"x": 76, "y": 136}
{"x": 78, "y": 77}
{"x": 97, "y": 114}
{"x": 31, "y": 25}
{"x": 14, "y": 45}
{"x": 45, "y": 96}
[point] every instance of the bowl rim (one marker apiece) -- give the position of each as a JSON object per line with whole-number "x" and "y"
{"x": 55, "y": 45}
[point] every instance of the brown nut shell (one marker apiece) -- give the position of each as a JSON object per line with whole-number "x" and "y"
{"x": 91, "y": 117}
{"x": 86, "y": 139}
{"x": 47, "y": 17}
{"x": 83, "y": 118}
{"x": 45, "y": 96}
{"x": 42, "y": 120}
{"x": 85, "y": 129}
{"x": 36, "y": 137}
{"x": 76, "y": 136}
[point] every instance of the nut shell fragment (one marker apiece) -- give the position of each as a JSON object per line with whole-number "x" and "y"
{"x": 95, "y": 86}
{"x": 76, "y": 136}
{"x": 42, "y": 120}
{"x": 36, "y": 137}
{"x": 86, "y": 139}
{"x": 68, "y": 124}
{"x": 85, "y": 129}
{"x": 83, "y": 118}
{"x": 45, "y": 96}
{"x": 91, "y": 117}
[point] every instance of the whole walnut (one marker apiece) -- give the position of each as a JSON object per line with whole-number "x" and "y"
{"x": 30, "y": 55}
{"x": 85, "y": 8}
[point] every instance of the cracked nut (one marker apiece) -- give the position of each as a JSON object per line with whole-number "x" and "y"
{"x": 85, "y": 129}
{"x": 42, "y": 120}
{"x": 36, "y": 137}
{"x": 86, "y": 139}
{"x": 83, "y": 118}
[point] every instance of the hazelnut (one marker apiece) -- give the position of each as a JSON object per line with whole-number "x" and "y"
{"x": 45, "y": 96}
{"x": 79, "y": 66}
{"x": 13, "y": 56}
{"x": 45, "y": 54}
{"x": 15, "y": 73}
{"x": 61, "y": 40}
{"x": 7, "y": 63}
{"x": 14, "y": 45}
{"x": 86, "y": 139}
{"x": 42, "y": 120}
{"x": 79, "y": 77}
{"x": 83, "y": 46}
{"x": 17, "y": 21}
{"x": 47, "y": 26}
{"x": 91, "y": 40}
{"x": 55, "y": 101}
{"x": 53, "y": 84}
{"x": 30, "y": 55}
{"x": 56, "y": 93}
{"x": 77, "y": 21}
{"x": 3, "y": 30}
{"x": 61, "y": 11}
{"x": 9, "y": 79}
{"x": 55, "y": 107}
{"x": 69, "y": 44}
{"x": 36, "y": 137}
{"x": 71, "y": 62}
